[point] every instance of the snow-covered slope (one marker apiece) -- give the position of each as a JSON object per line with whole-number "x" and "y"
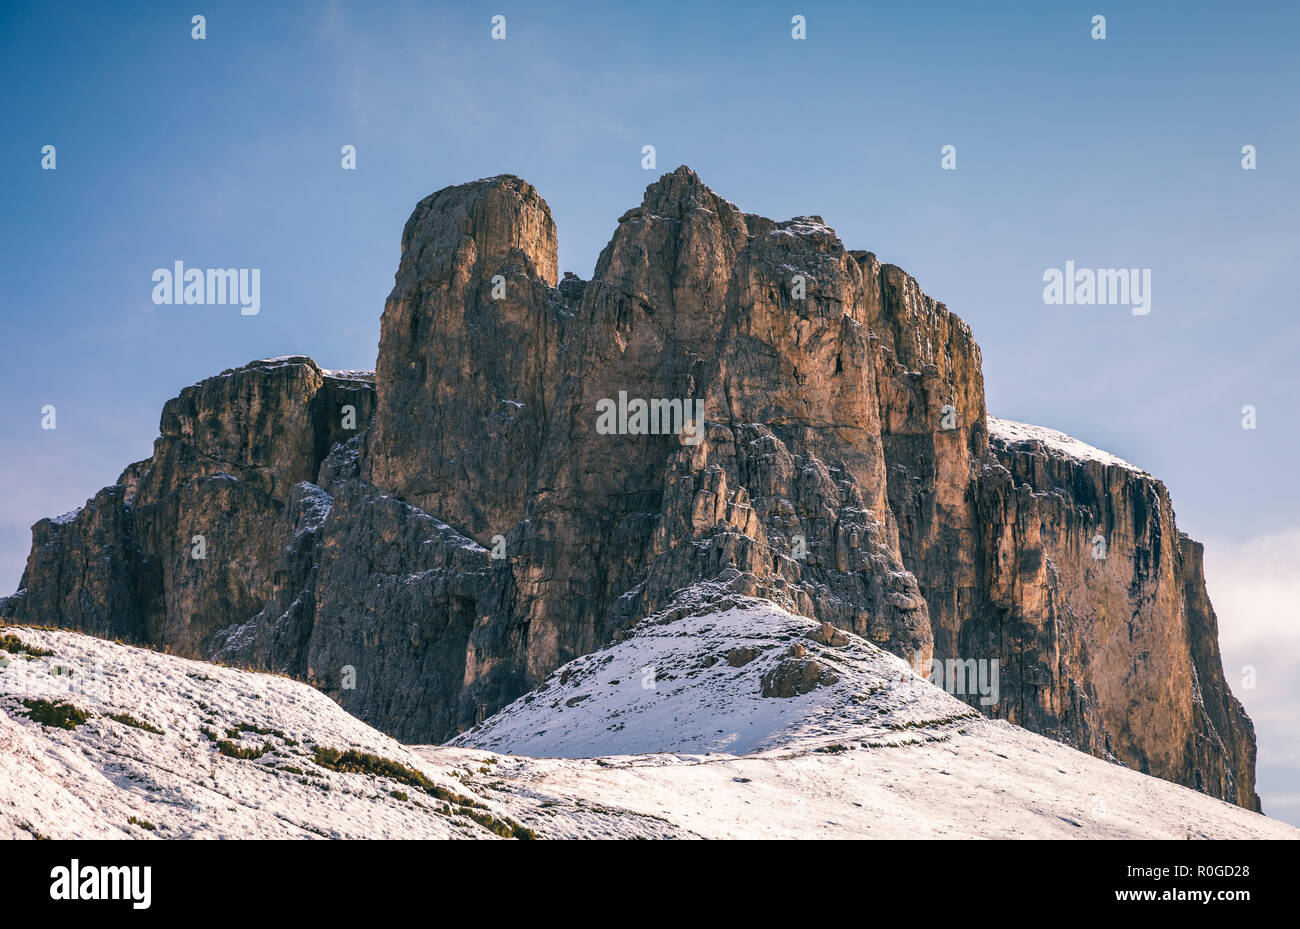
{"x": 98, "y": 740}
{"x": 875, "y": 752}
{"x": 1013, "y": 433}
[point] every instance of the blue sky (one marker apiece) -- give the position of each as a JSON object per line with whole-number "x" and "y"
{"x": 1117, "y": 153}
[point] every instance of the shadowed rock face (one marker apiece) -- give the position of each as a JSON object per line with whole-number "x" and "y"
{"x": 224, "y": 471}
{"x": 844, "y": 470}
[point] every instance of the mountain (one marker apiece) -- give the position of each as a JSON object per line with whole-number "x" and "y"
{"x": 523, "y": 479}
{"x": 103, "y": 740}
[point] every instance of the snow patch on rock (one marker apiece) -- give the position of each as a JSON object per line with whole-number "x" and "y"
{"x": 1013, "y": 433}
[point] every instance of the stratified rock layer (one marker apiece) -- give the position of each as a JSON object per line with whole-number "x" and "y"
{"x": 479, "y": 528}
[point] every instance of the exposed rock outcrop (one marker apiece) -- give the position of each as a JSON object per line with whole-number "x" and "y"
{"x": 1089, "y": 581}
{"x": 190, "y": 538}
{"x": 479, "y": 525}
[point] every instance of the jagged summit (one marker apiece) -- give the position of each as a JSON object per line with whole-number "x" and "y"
{"x": 676, "y": 193}
{"x": 475, "y": 526}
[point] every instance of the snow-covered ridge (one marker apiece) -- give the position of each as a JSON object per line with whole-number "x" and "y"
{"x": 872, "y": 750}
{"x": 1013, "y": 433}
{"x": 295, "y": 361}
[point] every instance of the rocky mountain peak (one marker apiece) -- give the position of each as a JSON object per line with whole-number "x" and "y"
{"x": 677, "y": 194}
{"x": 485, "y": 227}
{"x": 796, "y": 422}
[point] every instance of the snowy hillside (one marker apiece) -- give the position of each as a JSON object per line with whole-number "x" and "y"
{"x": 871, "y": 750}
{"x": 98, "y": 740}
{"x": 102, "y": 740}
{"x": 697, "y": 683}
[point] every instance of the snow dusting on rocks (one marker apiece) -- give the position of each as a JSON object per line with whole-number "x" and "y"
{"x": 1012, "y": 433}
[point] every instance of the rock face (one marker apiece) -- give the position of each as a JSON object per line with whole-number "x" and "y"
{"x": 468, "y": 379}
{"x": 527, "y": 478}
{"x": 190, "y": 538}
{"x": 1084, "y": 569}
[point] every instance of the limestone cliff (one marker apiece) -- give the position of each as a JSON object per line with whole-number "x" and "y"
{"x": 478, "y": 527}
{"x": 188, "y": 540}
